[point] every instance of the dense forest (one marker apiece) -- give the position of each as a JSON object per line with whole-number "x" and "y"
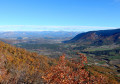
{"x": 18, "y": 66}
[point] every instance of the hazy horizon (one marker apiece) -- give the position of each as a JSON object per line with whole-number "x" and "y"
{"x": 59, "y": 15}
{"x": 52, "y": 28}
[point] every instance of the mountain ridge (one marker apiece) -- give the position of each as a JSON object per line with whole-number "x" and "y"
{"x": 97, "y": 37}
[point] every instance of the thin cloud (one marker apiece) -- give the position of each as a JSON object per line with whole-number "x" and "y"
{"x": 50, "y": 28}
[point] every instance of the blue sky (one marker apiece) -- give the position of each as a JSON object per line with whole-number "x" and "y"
{"x": 68, "y": 15}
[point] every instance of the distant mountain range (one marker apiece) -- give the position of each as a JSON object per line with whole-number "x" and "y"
{"x": 37, "y": 34}
{"x": 97, "y": 37}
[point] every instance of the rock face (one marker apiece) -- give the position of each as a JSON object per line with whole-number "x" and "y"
{"x": 97, "y": 37}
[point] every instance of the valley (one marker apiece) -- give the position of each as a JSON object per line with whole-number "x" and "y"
{"x": 98, "y": 52}
{"x": 101, "y": 56}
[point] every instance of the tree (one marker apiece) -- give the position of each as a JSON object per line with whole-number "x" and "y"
{"x": 63, "y": 74}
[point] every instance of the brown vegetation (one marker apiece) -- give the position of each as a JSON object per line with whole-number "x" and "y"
{"x": 63, "y": 74}
{"x": 19, "y": 66}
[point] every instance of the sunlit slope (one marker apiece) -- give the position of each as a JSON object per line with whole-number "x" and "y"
{"x": 97, "y": 37}
{"x": 19, "y": 65}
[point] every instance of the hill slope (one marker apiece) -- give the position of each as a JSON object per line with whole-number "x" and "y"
{"x": 18, "y": 65}
{"x": 97, "y": 37}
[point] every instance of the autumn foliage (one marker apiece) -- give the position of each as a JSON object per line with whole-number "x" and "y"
{"x": 18, "y": 66}
{"x": 63, "y": 74}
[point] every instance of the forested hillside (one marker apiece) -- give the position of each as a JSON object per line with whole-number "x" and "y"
{"x": 18, "y": 66}
{"x": 101, "y": 37}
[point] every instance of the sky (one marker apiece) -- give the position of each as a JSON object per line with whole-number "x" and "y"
{"x": 59, "y": 15}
